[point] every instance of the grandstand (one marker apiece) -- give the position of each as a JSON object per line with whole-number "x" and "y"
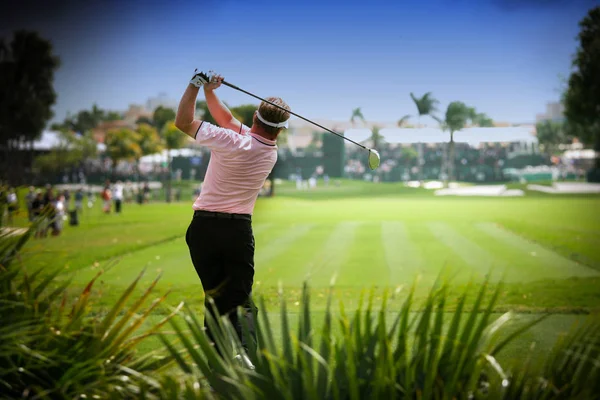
{"x": 482, "y": 154}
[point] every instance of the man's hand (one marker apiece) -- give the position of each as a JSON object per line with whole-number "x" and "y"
{"x": 214, "y": 82}
{"x": 199, "y": 79}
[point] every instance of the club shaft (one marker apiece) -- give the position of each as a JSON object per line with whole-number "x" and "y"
{"x": 293, "y": 113}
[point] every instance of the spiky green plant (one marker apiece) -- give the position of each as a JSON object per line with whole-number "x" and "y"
{"x": 54, "y": 347}
{"x": 570, "y": 371}
{"x": 414, "y": 355}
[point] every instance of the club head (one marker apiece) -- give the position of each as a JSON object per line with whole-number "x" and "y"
{"x": 374, "y": 159}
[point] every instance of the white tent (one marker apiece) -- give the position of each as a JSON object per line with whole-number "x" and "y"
{"x": 580, "y": 154}
{"x": 162, "y": 156}
{"x": 472, "y": 136}
{"x": 47, "y": 141}
{"x": 52, "y": 139}
{"x": 358, "y": 135}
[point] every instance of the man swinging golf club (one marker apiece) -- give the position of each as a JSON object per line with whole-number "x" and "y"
{"x": 220, "y": 236}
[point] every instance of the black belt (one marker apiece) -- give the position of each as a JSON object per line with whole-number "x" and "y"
{"x": 212, "y": 214}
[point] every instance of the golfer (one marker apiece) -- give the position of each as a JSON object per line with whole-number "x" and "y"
{"x": 220, "y": 236}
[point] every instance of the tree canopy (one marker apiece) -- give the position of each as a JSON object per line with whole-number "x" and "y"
{"x": 122, "y": 144}
{"x": 457, "y": 115}
{"x": 426, "y": 104}
{"x": 27, "y": 66}
{"x": 172, "y": 137}
{"x": 480, "y": 119}
{"x": 161, "y": 116}
{"x": 550, "y": 134}
{"x": 148, "y": 140}
{"x": 244, "y": 113}
{"x": 582, "y": 98}
{"x": 357, "y": 115}
{"x": 86, "y": 120}
{"x": 202, "y": 109}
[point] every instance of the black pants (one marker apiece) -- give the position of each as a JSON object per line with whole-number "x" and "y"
{"x": 222, "y": 252}
{"x": 118, "y": 205}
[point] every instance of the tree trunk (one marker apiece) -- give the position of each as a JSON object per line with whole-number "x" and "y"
{"x": 597, "y": 149}
{"x": 31, "y": 160}
{"x": 444, "y": 164}
{"x": 137, "y": 170}
{"x": 113, "y": 168}
{"x": 271, "y": 177}
{"x": 272, "y": 190}
{"x": 169, "y": 175}
{"x": 451, "y": 163}
{"x": 6, "y": 166}
{"x": 420, "y": 161}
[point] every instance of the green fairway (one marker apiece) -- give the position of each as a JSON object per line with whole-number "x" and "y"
{"x": 364, "y": 236}
{"x": 544, "y": 247}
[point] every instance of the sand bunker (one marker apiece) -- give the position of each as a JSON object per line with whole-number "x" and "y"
{"x": 483, "y": 190}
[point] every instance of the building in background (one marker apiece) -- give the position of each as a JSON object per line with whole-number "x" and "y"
{"x": 161, "y": 100}
{"x": 135, "y": 112}
{"x": 301, "y": 132}
{"x": 555, "y": 111}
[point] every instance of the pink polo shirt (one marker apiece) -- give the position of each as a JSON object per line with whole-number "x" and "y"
{"x": 239, "y": 165}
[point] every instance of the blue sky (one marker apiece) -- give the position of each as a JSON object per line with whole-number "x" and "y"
{"x": 325, "y": 58}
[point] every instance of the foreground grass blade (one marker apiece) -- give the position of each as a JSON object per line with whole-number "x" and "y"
{"x": 116, "y": 309}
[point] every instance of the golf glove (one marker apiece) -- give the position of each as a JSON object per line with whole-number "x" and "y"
{"x": 200, "y": 78}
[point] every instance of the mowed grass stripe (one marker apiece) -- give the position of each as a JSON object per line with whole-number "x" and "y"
{"x": 257, "y": 229}
{"x": 507, "y": 261}
{"x": 170, "y": 257}
{"x": 477, "y": 258}
{"x": 277, "y": 246}
{"x": 333, "y": 255}
{"x": 366, "y": 264}
{"x": 519, "y": 260}
{"x": 531, "y": 260}
{"x": 402, "y": 256}
{"x": 435, "y": 255}
{"x": 291, "y": 266}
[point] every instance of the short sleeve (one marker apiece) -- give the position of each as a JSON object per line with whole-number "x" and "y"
{"x": 217, "y": 138}
{"x": 244, "y": 130}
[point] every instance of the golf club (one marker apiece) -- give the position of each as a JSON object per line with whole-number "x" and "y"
{"x": 374, "y": 159}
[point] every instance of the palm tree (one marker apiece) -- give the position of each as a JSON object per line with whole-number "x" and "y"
{"x": 402, "y": 121}
{"x": 376, "y": 138}
{"x": 357, "y": 114}
{"x": 480, "y": 119}
{"x": 426, "y": 105}
{"x": 408, "y": 155}
{"x": 484, "y": 121}
{"x": 457, "y": 115}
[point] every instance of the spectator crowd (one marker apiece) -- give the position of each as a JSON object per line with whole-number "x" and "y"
{"x": 51, "y": 207}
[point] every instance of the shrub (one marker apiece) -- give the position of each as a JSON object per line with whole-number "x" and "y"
{"x": 429, "y": 354}
{"x": 55, "y": 347}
